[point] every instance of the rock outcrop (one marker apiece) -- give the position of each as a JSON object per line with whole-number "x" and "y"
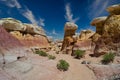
{"x": 110, "y": 33}
{"x": 69, "y": 39}
{"x": 10, "y": 47}
{"x": 29, "y": 35}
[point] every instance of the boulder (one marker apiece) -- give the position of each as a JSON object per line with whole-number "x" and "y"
{"x": 12, "y": 24}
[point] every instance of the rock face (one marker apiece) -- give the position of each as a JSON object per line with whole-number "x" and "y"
{"x": 69, "y": 39}
{"x": 10, "y": 47}
{"x": 110, "y": 37}
{"x": 106, "y": 72}
{"x": 28, "y": 34}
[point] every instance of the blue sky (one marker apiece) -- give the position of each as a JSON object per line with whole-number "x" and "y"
{"x": 53, "y": 14}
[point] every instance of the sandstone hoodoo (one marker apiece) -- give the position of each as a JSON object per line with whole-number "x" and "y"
{"x": 110, "y": 32}
{"x": 69, "y": 39}
{"x": 28, "y": 34}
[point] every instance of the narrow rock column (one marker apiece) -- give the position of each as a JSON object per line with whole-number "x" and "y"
{"x": 69, "y": 39}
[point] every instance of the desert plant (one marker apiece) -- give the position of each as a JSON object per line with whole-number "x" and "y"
{"x": 107, "y": 58}
{"x": 79, "y": 54}
{"x": 41, "y": 53}
{"x": 51, "y": 57}
{"x": 63, "y": 65}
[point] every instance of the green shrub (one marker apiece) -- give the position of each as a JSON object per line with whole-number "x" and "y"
{"x": 107, "y": 58}
{"x": 51, "y": 57}
{"x": 79, "y": 54}
{"x": 63, "y": 65}
{"x": 41, "y": 53}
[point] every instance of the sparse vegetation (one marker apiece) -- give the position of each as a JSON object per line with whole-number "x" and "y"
{"x": 51, "y": 57}
{"x": 107, "y": 58}
{"x": 41, "y": 53}
{"x": 63, "y": 65}
{"x": 79, "y": 54}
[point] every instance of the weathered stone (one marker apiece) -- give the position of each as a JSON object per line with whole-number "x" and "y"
{"x": 33, "y": 29}
{"x": 106, "y": 72}
{"x": 86, "y": 34}
{"x": 69, "y": 29}
{"x": 99, "y": 23}
{"x": 114, "y": 9}
{"x": 11, "y": 24}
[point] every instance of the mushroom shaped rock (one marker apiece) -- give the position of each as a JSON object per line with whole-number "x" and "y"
{"x": 114, "y": 9}
{"x": 69, "y": 29}
{"x": 99, "y": 23}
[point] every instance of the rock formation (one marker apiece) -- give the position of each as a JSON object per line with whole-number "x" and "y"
{"x": 86, "y": 34}
{"x": 28, "y": 34}
{"x": 84, "y": 42}
{"x": 110, "y": 32}
{"x": 69, "y": 39}
{"x": 10, "y": 47}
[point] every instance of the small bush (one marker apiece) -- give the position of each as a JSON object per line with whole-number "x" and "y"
{"x": 79, "y": 54}
{"x": 63, "y": 65}
{"x": 107, "y": 58}
{"x": 51, "y": 57}
{"x": 41, "y": 53}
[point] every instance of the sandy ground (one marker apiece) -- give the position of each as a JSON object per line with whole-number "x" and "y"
{"x": 77, "y": 71}
{"x": 41, "y": 68}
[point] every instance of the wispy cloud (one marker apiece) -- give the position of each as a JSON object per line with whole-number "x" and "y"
{"x": 69, "y": 15}
{"x": 97, "y": 8}
{"x": 26, "y": 12}
{"x": 29, "y": 15}
{"x": 41, "y": 22}
{"x": 11, "y": 3}
{"x": 54, "y": 32}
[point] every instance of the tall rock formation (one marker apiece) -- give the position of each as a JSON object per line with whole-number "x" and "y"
{"x": 110, "y": 37}
{"x": 69, "y": 39}
{"x": 29, "y": 35}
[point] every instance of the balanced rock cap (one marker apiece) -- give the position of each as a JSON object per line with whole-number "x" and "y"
{"x": 114, "y": 9}
{"x": 70, "y": 26}
{"x": 98, "y": 20}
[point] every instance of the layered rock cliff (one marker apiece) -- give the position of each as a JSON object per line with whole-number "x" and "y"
{"x": 29, "y": 35}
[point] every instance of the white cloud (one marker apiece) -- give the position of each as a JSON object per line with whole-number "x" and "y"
{"x": 69, "y": 15}
{"x": 11, "y": 3}
{"x": 97, "y": 8}
{"x": 54, "y": 32}
{"x": 41, "y": 22}
{"x": 29, "y": 15}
